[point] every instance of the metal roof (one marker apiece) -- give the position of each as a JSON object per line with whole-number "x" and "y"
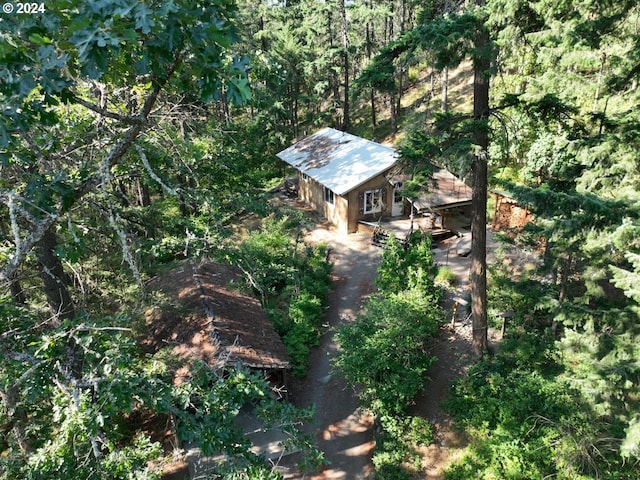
{"x": 338, "y": 160}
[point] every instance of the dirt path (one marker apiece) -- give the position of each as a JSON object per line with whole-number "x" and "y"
{"x": 453, "y": 350}
{"x": 342, "y": 432}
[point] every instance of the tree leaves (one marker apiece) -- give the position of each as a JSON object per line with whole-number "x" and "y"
{"x": 85, "y": 57}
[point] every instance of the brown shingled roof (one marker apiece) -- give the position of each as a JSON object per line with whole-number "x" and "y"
{"x": 446, "y": 191}
{"x": 212, "y": 321}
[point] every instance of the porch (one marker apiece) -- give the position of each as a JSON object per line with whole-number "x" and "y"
{"x": 401, "y": 228}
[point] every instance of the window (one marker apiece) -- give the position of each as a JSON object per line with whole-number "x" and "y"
{"x": 329, "y": 196}
{"x": 373, "y": 201}
{"x": 305, "y": 177}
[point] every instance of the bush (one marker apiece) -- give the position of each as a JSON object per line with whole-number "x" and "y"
{"x": 305, "y": 314}
{"x": 525, "y": 419}
{"x": 383, "y": 352}
{"x": 446, "y": 277}
{"x": 293, "y": 280}
{"x": 408, "y": 268}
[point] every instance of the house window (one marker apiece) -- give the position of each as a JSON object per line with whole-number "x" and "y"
{"x": 329, "y": 196}
{"x": 373, "y": 201}
{"x": 305, "y": 177}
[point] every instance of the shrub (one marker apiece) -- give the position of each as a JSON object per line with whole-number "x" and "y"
{"x": 384, "y": 353}
{"x": 446, "y": 277}
{"x": 293, "y": 280}
{"x": 384, "y": 350}
{"x": 407, "y": 268}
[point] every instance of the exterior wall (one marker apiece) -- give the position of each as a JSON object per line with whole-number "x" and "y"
{"x": 349, "y": 209}
{"x": 312, "y": 193}
{"x": 356, "y": 202}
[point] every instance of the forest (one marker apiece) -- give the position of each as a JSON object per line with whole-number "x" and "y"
{"x": 137, "y": 135}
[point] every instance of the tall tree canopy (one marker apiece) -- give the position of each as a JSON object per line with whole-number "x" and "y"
{"x": 82, "y": 83}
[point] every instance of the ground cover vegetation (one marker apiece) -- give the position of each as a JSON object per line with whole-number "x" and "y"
{"x": 385, "y": 351}
{"x": 135, "y": 135}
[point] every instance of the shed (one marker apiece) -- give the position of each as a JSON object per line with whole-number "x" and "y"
{"x": 206, "y": 318}
{"x": 508, "y": 214}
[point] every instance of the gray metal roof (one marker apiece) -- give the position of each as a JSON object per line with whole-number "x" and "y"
{"x": 338, "y": 160}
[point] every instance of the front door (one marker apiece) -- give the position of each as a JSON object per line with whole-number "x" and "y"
{"x": 397, "y": 207}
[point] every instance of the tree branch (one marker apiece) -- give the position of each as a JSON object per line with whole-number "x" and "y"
{"x": 112, "y": 158}
{"x": 125, "y": 119}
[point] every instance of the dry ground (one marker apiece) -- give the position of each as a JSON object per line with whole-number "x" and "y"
{"x": 343, "y": 433}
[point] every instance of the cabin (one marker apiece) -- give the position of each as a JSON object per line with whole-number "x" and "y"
{"x": 345, "y": 178}
{"x": 352, "y": 181}
{"x": 204, "y": 316}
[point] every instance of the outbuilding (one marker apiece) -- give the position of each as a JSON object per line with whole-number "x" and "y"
{"x": 204, "y": 315}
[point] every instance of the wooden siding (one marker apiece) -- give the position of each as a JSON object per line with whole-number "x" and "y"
{"x": 312, "y": 193}
{"x": 347, "y": 210}
{"x": 356, "y": 202}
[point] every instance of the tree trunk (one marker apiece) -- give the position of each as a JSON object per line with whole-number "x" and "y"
{"x": 18, "y": 421}
{"x": 372, "y": 99}
{"x": 54, "y": 278}
{"x": 394, "y": 112}
{"x": 334, "y": 80}
{"x": 123, "y": 194}
{"x": 389, "y": 19}
{"x": 345, "y": 57}
{"x": 444, "y": 98}
{"x": 144, "y": 196}
{"x": 478, "y": 273}
{"x": 369, "y": 45}
{"x": 16, "y": 290}
{"x": 565, "y": 270}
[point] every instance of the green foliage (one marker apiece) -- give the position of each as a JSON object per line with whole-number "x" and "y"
{"x": 446, "y": 277}
{"x": 81, "y": 83}
{"x": 513, "y": 405}
{"x": 629, "y": 280}
{"x": 88, "y": 425}
{"x": 389, "y": 457}
{"x": 302, "y": 330}
{"x": 292, "y": 280}
{"x": 543, "y": 406}
{"x": 394, "y": 443}
{"x": 407, "y": 268}
{"x": 384, "y": 352}
{"x": 73, "y": 424}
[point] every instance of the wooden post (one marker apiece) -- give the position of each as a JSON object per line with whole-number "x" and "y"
{"x": 455, "y": 314}
{"x": 505, "y": 316}
{"x": 457, "y": 301}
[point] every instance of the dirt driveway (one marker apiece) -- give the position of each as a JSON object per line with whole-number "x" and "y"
{"x": 342, "y": 432}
